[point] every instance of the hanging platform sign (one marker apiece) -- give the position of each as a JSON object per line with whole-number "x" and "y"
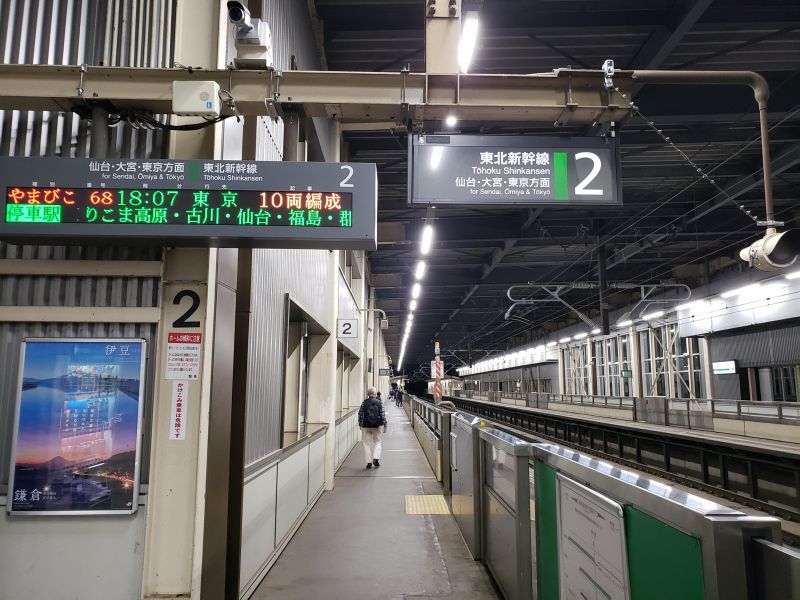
{"x": 501, "y": 170}
{"x": 189, "y": 203}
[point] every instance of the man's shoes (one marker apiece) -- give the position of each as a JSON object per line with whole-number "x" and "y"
{"x": 369, "y": 465}
{"x": 376, "y": 463}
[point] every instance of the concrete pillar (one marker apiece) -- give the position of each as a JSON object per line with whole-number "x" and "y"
{"x": 322, "y": 353}
{"x": 636, "y": 365}
{"x": 176, "y": 504}
{"x": 706, "y": 368}
{"x": 752, "y": 384}
{"x": 765, "y": 384}
{"x": 176, "y": 465}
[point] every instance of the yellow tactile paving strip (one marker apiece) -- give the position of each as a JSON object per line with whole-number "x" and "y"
{"x": 426, "y": 505}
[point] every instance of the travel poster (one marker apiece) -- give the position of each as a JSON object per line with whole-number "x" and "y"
{"x": 76, "y": 442}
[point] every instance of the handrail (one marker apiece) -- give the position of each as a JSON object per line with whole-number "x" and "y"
{"x": 345, "y": 416}
{"x": 740, "y": 409}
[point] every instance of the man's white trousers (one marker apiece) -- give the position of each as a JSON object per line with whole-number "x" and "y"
{"x": 371, "y": 440}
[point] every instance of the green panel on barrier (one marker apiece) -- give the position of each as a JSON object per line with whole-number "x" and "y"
{"x": 547, "y": 528}
{"x": 664, "y": 563}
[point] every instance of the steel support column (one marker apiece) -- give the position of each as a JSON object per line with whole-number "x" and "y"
{"x": 602, "y": 276}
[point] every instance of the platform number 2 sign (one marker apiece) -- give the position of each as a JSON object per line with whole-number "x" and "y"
{"x": 581, "y": 189}
{"x": 347, "y": 328}
{"x": 183, "y": 321}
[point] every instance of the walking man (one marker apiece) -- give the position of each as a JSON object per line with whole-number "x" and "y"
{"x": 371, "y": 418}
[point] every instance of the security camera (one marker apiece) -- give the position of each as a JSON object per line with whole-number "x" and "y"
{"x": 253, "y": 38}
{"x": 774, "y": 251}
{"x": 239, "y": 16}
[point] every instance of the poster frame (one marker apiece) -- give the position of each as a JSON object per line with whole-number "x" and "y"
{"x": 139, "y": 434}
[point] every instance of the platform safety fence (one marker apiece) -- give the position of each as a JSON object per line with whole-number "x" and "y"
{"x": 280, "y": 492}
{"x": 692, "y": 413}
{"x": 550, "y": 523}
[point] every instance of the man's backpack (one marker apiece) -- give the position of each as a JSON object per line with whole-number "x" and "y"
{"x": 372, "y": 413}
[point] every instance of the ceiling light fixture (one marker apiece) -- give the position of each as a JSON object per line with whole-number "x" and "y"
{"x": 564, "y": 340}
{"x": 416, "y": 290}
{"x": 427, "y": 239}
{"x": 420, "y": 270}
{"x": 740, "y": 291}
{"x": 413, "y": 305}
{"x": 451, "y": 121}
{"x": 469, "y": 37}
{"x": 653, "y": 315}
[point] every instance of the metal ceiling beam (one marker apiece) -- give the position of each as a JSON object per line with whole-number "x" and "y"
{"x": 359, "y": 96}
{"x": 666, "y": 38}
{"x": 497, "y": 257}
{"x": 783, "y": 161}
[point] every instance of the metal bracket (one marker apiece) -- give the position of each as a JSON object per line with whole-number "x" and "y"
{"x": 81, "y": 90}
{"x": 770, "y": 223}
{"x": 645, "y": 291}
{"x": 555, "y": 293}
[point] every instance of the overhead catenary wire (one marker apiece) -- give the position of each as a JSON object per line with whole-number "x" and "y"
{"x": 639, "y": 218}
{"x": 589, "y": 302}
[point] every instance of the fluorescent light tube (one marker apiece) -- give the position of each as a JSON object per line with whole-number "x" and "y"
{"x": 427, "y": 239}
{"x": 469, "y": 37}
{"x": 419, "y": 272}
{"x": 653, "y": 315}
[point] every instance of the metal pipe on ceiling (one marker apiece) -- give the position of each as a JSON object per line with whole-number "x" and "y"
{"x": 760, "y": 89}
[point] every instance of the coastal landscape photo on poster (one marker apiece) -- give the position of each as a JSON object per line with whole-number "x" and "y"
{"x": 78, "y": 423}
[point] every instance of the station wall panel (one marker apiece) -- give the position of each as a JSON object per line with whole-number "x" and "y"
{"x": 103, "y": 553}
{"x": 304, "y": 276}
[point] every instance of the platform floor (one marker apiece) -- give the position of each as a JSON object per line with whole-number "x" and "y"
{"x": 359, "y": 543}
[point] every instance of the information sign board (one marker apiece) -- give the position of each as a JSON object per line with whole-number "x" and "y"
{"x": 592, "y": 552}
{"x": 724, "y": 367}
{"x": 190, "y": 202}
{"x": 77, "y": 431}
{"x": 384, "y": 372}
{"x": 499, "y": 170}
{"x": 347, "y": 328}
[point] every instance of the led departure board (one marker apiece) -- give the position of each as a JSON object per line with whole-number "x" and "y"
{"x": 500, "y": 170}
{"x": 217, "y": 203}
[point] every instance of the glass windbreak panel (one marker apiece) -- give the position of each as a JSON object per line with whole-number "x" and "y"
{"x": 698, "y": 388}
{"x": 501, "y": 473}
{"x": 784, "y": 387}
{"x": 599, "y": 361}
